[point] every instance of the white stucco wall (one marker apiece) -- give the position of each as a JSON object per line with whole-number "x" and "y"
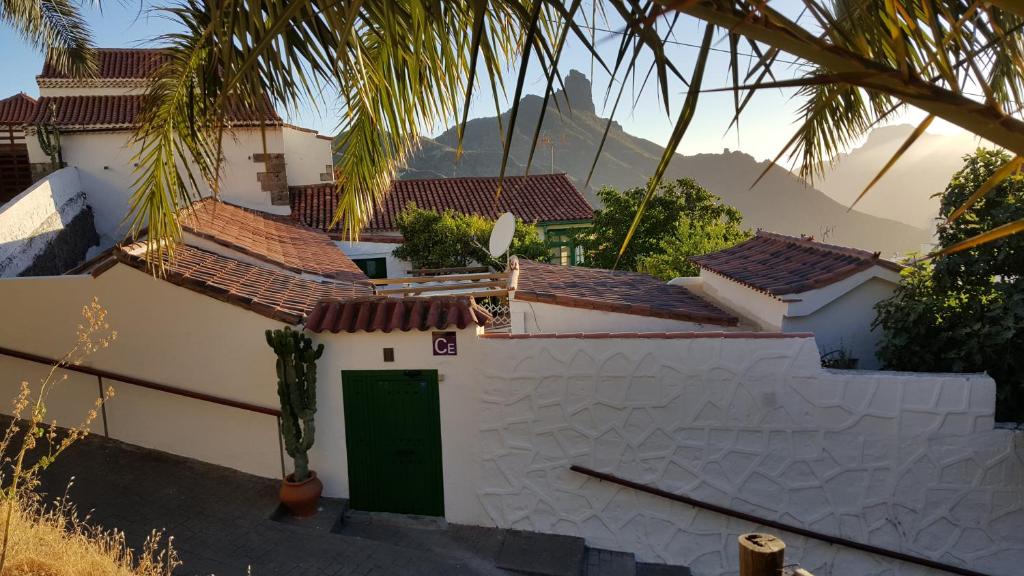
{"x": 306, "y": 155}
{"x": 106, "y": 164}
{"x": 30, "y": 220}
{"x": 906, "y": 461}
{"x": 759, "y": 308}
{"x": 845, "y": 323}
{"x": 397, "y": 268}
{"x": 539, "y": 318}
{"x": 186, "y": 340}
{"x": 82, "y": 90}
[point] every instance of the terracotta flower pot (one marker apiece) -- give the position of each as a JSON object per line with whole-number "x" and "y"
{"x": 301, "y": 497}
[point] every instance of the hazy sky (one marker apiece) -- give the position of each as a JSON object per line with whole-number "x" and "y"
{"x": 765, "y": 126}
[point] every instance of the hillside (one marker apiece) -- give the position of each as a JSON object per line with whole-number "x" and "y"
{"x": 906, "y": 192}
{"x": 781, "y": 202}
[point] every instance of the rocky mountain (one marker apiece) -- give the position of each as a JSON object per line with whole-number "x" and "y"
{"x": 906, "y": 191}
{"x": 781, "y": 202}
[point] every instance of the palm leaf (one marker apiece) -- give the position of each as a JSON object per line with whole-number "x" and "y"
{"x": 1002, "y": 173}
{"x": 685, "y": 116}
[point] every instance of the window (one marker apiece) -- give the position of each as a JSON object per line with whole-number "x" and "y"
{"x": 562, "y": 247}
{"x": 373, "y": 267}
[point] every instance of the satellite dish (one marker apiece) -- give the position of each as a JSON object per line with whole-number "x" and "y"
{"x": 501, "y": 234}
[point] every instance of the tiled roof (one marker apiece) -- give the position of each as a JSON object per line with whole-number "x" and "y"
{"x": 536, "y": 198}
{"x": 119, "y": 111}
{"x": 614, "y": 291}
{"x": 274, "y": 239}
{"x": 117, "y": 63}
{"x": 274, "y": 294}
{"x": 779, "y": 264}
{"x": 17, "y": 109}
{"x": 387, "y": 314}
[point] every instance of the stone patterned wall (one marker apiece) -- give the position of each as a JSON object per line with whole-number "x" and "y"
{"x": 274, "y": 178}
{"x": 906, "y": 461}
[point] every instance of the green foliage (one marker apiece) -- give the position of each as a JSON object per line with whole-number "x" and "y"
{"x": 965, "y": 313}
{"x": 296, "y": 389}
{"x": 451, "y": 239}
{"x": 683, "y": 219}
{"x": 692, "y": 238}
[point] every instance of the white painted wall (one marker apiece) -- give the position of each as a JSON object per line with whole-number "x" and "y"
{"x": 846, "y": 322}
{"x": 759, "y": 308}
{"x": 539, "y": 318}
{"x": 306, "y": 156}
{"x": 105, "y": 161}
{"x": 32, "y": 219}
{"x": 397, "y": 268}
{"x": 908, "y": 461}
{"x": 181, "y": 341}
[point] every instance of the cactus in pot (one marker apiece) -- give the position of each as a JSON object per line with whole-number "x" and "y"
{"x": 296, "y": 389}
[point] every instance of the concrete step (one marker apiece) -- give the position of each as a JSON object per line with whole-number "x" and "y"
{"x": 329, "y": 516}
{"x": 647, "y": 569}
{"x": 602, "y": 562}
{"x": 542, "y": 554}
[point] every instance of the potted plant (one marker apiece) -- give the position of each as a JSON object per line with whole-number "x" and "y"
{"x": 296, "y": 388}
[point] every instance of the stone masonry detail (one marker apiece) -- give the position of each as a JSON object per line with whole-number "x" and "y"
{"x": 905, "y": 461}
{"x": 274, "y": 178}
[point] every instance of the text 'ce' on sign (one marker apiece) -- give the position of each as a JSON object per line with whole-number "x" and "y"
{"x": 444, "y": 344}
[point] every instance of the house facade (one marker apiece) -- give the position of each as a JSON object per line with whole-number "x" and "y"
{"x": 487, "y": 428}
{"x": 88, "y": 124}
{"x": 549, "y": 201}
{"x": 788, "y": 284}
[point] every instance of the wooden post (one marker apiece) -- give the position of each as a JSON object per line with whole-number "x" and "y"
{"x": 761, "y": 555}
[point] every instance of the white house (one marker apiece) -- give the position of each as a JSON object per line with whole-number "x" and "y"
{"x": 94, "y": 119}
{"x": 488, "y": 429}
{"x": 782, "y": 283}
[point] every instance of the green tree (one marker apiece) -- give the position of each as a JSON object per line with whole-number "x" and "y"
{"x": 692, "y": 238}
{"x": 675, "y": 219}
{"x": 451, "y": 239}
{"x": 965, "y": 312}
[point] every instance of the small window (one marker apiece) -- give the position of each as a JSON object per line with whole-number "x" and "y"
{"x": 562, "y": 248}
{"x": 373, "y": 267}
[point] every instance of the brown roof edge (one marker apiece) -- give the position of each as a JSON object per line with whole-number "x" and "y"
{"x": 651, "y": 335}
{"x": 389, "y": 314}
{"x": 632, "y": 309}
{"x": 846, "y": 250}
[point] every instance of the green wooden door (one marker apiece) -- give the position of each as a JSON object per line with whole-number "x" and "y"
{"x": 393, "y": 436}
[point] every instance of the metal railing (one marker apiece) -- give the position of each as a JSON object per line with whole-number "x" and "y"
{"x": 148, "y": 384}
{"x": 775, "y": 524}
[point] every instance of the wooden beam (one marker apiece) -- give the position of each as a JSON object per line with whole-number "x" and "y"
{"x": 761, "y": 555}
{"x": 436, "y": 271}
{"x": 423, "y": 279}
{"x": 443, "y": 287}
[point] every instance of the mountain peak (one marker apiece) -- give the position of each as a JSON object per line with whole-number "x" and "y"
{"x": 578, "y": 92}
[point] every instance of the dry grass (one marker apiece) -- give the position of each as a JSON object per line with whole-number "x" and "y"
{"x": 53, "y": 541}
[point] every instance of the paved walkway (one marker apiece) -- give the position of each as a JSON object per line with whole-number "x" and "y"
{"x": 220, "y": 521}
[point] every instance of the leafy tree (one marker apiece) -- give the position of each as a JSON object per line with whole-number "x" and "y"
{"x": 675, "y": 221}
{"x": 692, "y": 238}
{"x": 965, "y": 313}
{"x": 451, "y": 239}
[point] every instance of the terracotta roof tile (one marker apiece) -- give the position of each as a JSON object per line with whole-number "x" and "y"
{"x": 278, "y": 295}
{"x": 540, "y": 198}
{"x": 614, "y": 291}
{"x": 119, "y": 111}
{"x": 18, "y": 109}
{"x": 274, "y": 239}
{"x": 387, "y": 314}
{"x": 779, "y": 264}
{"x": 118, "y": 63}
